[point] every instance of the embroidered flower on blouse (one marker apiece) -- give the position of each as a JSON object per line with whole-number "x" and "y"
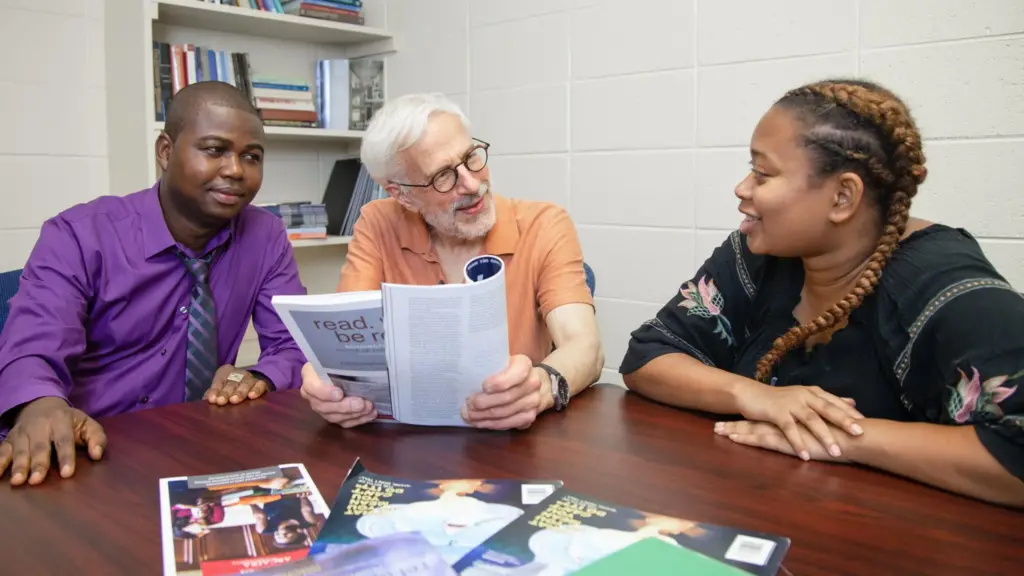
{"x": 706, "y": 301}
{"x": 973, "y": 400}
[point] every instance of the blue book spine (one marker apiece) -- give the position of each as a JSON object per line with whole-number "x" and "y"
{"x": 275, "y": 86}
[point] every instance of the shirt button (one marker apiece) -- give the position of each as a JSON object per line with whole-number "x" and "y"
{"x": 183, "y": 310}
{"x": 163, "y": 352}
{"x": 144, "y": 399}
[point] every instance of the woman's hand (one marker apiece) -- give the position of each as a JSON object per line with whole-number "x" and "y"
{"x": 810, "y": 406}
{"x": 769, "y": 437}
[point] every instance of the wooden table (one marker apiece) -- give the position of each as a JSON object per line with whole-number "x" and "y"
{"x": 611, "y": 444}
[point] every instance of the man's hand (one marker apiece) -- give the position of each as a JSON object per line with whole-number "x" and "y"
{"x": 229, "y": 388}
{"x": 511, "y": 398}
{"x": 329, "y": 401}
{"x": 42, "y": 423}
{"x": 771, "y": 437}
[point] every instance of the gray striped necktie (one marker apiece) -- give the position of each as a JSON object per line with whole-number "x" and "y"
{"x": 201, "y": 352}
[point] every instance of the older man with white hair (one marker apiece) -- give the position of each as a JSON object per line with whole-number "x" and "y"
{"x": 441, "y": 213}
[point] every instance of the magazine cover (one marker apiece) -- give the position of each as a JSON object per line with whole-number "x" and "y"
{"x": 239, "y": 522}
{"x": 342, "y": 335}
{"x": 454, "y": 516}
{"x": 569, "y": 531}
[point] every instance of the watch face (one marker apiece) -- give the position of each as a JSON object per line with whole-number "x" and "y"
{"x": 563, "y": 392}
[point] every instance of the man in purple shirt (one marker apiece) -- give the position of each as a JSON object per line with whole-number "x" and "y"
{"x": 143, "y": 300}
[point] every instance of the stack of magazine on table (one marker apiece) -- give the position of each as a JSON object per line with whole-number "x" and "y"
{"x": 441, "y": 342}
{"x": 273, "y": 521}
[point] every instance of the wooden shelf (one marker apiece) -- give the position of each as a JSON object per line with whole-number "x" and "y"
{"x": 288, "y": 133}
{"x": 314, "y": 242}
{"x": 195, "y": 14}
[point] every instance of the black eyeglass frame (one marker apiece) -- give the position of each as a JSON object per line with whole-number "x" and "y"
{"x": 454, "y": 169}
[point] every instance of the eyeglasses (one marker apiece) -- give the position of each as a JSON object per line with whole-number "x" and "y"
{"x": 447, "y": 178}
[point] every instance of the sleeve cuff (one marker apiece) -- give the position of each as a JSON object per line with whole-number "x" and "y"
{"x": 1006, "y": 444}
{"x": 280, "y": 373}
{"x": 26, "y": 393}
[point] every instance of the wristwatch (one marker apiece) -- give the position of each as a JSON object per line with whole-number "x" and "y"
{"x": 559, "y": 387}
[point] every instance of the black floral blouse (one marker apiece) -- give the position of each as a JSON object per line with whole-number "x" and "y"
{"x": 941, "y": 339}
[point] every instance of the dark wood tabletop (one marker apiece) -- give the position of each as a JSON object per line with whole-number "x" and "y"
{"x": 610, "y": 444}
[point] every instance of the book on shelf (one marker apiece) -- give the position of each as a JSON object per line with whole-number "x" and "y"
{"x": 569, "y": 531}
{"x": 416, "y": 352}
{"x": 344, "y": 11}
{"x": 178, "y": 65}
{"x": 283, "y": 102}
{"x": 239, "y": 521}
{"x": 349, "y": 188}
{"x": 303, "y": 220}
{"x": 349, "y": 91}
{"x": 279, "y": 102}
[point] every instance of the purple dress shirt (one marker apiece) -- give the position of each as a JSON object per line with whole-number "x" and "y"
{"x": 101, "y": 316}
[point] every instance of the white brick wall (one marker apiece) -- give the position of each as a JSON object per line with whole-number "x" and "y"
{"x": 636, "y": 115}
{"x": 53, "y": 140}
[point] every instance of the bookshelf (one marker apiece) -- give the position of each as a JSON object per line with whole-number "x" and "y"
{"x": 298, "y": 160}
{"x": 194, "y": 14}
{"x": 280, "y": 133}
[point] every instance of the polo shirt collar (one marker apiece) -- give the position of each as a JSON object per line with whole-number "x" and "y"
{"x": 501, "y": 240}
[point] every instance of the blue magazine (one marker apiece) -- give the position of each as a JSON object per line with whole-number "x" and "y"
{"x": 569, "y": 531}
{"x": 454, "y": 516}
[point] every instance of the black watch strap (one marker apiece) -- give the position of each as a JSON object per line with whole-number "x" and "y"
{"x": 560, "y": 389}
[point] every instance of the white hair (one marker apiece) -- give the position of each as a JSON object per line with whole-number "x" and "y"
{"x": 397, "y": 126}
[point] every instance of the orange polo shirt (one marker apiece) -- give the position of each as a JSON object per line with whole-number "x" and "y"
{"x": 536, "y": 240}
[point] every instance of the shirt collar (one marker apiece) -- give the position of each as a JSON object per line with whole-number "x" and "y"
{"x": 156, "y": 236}
{"x": 501, "y": 240}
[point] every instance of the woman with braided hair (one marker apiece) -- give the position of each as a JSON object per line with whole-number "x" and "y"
{"x": 834, "y": 324}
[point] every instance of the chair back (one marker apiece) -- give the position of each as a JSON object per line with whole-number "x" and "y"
{"x": 8, "y": 288}
{"x": 591, "y": 281}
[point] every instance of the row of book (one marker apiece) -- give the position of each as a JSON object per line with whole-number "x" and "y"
{"x": 381, "y": 524}
{"x": 347, "y": 11}
{"x": 349, "y": 188}
{"x": 303, "y": 220}
{"x": 348, "y": 91}
{"x": 279, "y": 102}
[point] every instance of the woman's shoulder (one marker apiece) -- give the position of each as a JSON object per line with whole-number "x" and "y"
{"x": 937, "y": 258}
{"x": 931, "y": 268}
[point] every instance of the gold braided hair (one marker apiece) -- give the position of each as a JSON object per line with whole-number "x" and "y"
{"x": 861, "y": 127}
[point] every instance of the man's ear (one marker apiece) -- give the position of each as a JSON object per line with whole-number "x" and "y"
{"x": 164, "y": 150}
{"x": 846, "y": 198}
{"x": 395, "y": 191}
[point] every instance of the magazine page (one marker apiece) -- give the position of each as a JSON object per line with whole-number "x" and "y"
{"x": 398, "y": 554}
{"x": 342, "y": 336}
{"x": 455, "y": 516}
{"x": 444, "y": 341}
{"x": 569, "y": 531}
{"x": 239, "y": 521}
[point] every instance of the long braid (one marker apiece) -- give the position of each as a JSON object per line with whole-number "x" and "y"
{"x": 895, "y": 167}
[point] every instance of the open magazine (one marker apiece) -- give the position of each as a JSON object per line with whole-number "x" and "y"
{"x": 442, "y": 342}
{"x": 239, "y": 522}
{"x": 453, "y": 515}
{"x": 569, "y": 531}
